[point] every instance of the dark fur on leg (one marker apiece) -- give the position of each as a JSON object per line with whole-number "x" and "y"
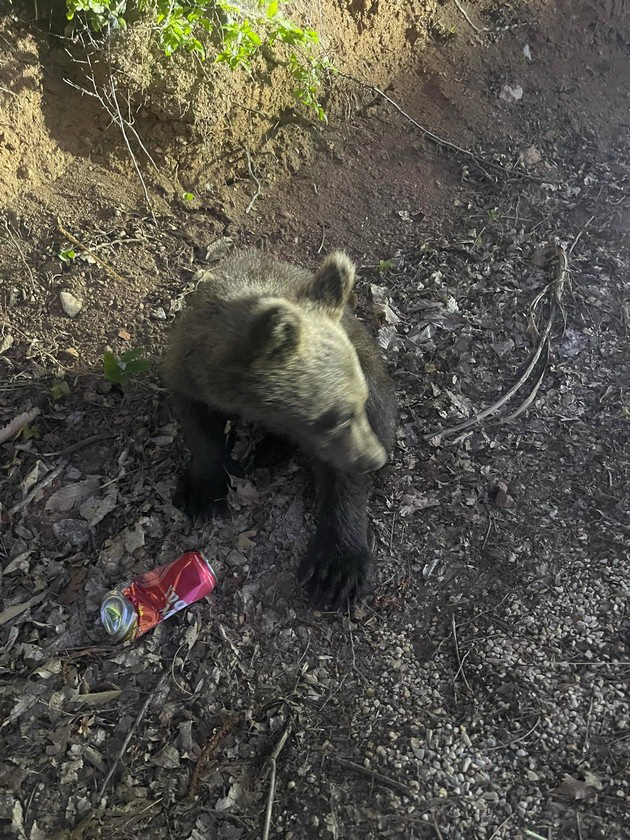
{"x": 203, "y": 490}
{"x": 337, "y": 566}
{"x": 339, "y": 562}
{"x": 270, "y": 452}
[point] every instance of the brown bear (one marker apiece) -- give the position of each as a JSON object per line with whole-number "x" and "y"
{"x": 279, "y": 346}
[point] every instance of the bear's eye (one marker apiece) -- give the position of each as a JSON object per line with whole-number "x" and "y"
{"x": 333, "y": 420}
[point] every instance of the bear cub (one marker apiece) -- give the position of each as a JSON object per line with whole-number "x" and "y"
{"x": 280, "y": 346}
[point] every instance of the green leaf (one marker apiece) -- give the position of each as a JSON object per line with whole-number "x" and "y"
{"x": 59, "y": 389}
{"x": 188, "y": 196}
{"x": 28, "y": 432}
{"x": 139, "y": 366}
{"x": 112, "y": 370}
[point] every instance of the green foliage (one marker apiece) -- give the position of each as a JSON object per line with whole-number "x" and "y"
{"x": 120, "y": 370}
{"x": 239, "y": 33}
{"x": 384, "y": 265}
{"x": 67, "y": 255}
{"x": 441, "y": 32}
{"x": 59, "y": 389}
{"x": 188, "y": 196}
{"x": 28, "y": 432}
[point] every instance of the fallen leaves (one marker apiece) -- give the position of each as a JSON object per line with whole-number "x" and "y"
{"x": 580, "y": 790}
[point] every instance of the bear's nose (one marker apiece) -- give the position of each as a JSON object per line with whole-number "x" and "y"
{"x": 371, "y": 461}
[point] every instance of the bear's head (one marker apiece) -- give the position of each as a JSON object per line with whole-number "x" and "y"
{"x": 297, "y": 372}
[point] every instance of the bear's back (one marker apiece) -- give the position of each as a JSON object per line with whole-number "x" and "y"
{"x": 251, "y": 274}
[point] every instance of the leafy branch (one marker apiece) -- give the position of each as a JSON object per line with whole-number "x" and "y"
{"x": 237, "y": 33}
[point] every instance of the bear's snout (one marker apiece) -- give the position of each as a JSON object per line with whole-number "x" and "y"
{"x": 371, "y": 461}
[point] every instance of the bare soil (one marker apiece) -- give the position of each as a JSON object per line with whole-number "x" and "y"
{"x": 482, "y": 690}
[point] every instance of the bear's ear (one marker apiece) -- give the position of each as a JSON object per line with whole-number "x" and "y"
{"x": 274, "y": 333}
{"x": 333, "y": 283}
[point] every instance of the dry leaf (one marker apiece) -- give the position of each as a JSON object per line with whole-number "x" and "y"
{"x": 575, "y": 789}
{"x": 97, "y": 698}
{"x": 12, "y": 612}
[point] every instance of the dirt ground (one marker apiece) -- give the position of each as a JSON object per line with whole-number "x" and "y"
{"x": 482, "y": 690}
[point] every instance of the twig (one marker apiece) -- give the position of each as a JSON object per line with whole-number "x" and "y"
{"x": 485, "y": 540}
{"x": 70, "y": 450}
{"x": 46, "y": 480}
{"x": 258, "y": 187}
{"x": 556, "y": 287}
{"x": 532, "y": 394}
{"x": 19, "y": 250}
{"x": 272, "y": 762}
{"x": 575, "y": 241}
{"x": 515, "y": 740}
{"x": 579, "y": 825}
{"x": 109, "y": 101}
{"x": 52, "y": 475}
{"x": 87, "y": 250}
{"x": 374, "y": 776}
{"x": 436, "y": 827}
{"x": 495, "y": 833}
{"x": 14, "y": 426}
{"x": 464, "y": 14}
{"x": 121, "y": 125}
{"x": 440, "y": 141}
{"x": 588, "y": 726}
{"x": 460, "y": 661}
{"x": 321, "y": 244}
{"x": 210, "y": 747}
{"x": 129, "y": 736}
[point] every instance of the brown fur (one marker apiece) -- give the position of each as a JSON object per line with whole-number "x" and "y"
{"x": 278, "y": 345}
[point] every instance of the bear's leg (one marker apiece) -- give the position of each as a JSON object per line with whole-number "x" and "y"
{"x": 270, "y": 452}
{"x": 337, "y": 565}
{"x": 203, "y": 489}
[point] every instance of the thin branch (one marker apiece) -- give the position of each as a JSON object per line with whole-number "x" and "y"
{"x": 556, "y": 287}
{"x": 258, "y": 187}
{"x": 121, "y": 125}
{"x": 436, "y": 827}
{"x": 91, "y": 253}
{"x": 272, "y": 762}
{"x": 52, "y": 475}
{"x": 46, "y": 480}
{"x": 464, "y": 14}
{"x": 19, "y": 250}
{"x": 480, "y": 164}
{"x": 210, "y": 747}
{"x": 70, "y": 450}
{"x": 516, "y": 740}
{"x": 532, "y": 394}
{"x": 374, "y": 776}
{"x": 134, "y": 726}
{"x": 495, "y": 833}
{"x": 460, "y": 661}
{"x": 575, "y": 241}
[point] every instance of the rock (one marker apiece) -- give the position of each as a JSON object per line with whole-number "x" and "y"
{"x": 511, "y": 94}
{"x": 73, "y": 531}
{"x": 531, "y": 156}
{"x": 70, "y": 304}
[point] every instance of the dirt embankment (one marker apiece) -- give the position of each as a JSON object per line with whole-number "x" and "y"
{"x": 482, "y": 693}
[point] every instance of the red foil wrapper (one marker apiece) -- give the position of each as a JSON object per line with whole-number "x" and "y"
{"x": 158, "y": 594}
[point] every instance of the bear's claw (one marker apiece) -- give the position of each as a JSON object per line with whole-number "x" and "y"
{"x": 334, "y": 575}
{"x": 202, "y": 498}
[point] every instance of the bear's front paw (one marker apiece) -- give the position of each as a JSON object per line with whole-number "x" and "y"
{"x": 200, "y": 497}
{"x": 332, "y": 573}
